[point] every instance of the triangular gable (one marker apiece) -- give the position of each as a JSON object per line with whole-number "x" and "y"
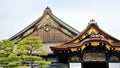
{"x": 47, "y": 19}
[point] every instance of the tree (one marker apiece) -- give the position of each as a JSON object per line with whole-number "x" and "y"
{"x": 6, "y": 54}
{"x": 30, "y": 51}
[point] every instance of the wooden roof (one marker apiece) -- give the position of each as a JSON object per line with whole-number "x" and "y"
{"x": 49, "y": 28}
{"x": 92, "y": 33}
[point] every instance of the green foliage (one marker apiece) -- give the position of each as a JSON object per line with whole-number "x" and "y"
{"x": 31, "y": 44}
{"x": 30, "y": 50}
{"x": 23, "y": 54}
{"x": 6, "y": 49}
{"x": 22, "y": 67}
{"x": 43, "y": 64}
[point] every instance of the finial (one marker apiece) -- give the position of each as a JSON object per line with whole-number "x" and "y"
{"x": 92, "y": 21}
{"x": 47, "y": 10}
{"x": 47, "y": 7}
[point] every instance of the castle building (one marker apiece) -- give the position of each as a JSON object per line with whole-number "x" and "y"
{"x": 69, "y": 48}
{"x": 92, "y": 48}
{"x": 51, "y": 30}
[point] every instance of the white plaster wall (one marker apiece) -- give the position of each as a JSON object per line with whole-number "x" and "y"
{"x": 75, "y": 65}
{"x": 114, "y": 65}
{"x": 46, "y": 46}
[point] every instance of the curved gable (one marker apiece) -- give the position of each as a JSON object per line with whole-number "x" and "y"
{"x": 92, "y": 32}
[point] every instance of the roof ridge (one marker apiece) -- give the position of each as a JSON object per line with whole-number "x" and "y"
{"x": 46, "y": 11}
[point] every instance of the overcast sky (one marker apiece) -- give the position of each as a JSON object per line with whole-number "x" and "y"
{"x": 17, "y": 14}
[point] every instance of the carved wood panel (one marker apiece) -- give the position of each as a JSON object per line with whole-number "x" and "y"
{"x": 94, "y": 57}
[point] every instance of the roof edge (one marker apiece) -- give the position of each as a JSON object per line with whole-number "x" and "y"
{"x": 46, "y": 11}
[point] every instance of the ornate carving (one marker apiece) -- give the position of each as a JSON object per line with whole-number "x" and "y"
{"x": 75, "y": 58}
{"x": 66, "y": 31}
{"x": 94, "y": 57}
{"x": 114, "y": 58}
{"x": 28, "y": 32}
{"x": 95, "y": 35}
{"x": 46, "y": 27}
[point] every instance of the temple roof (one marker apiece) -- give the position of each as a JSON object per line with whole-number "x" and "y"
{"x": 91, "y": 33}
{"x": 35, "y": 24}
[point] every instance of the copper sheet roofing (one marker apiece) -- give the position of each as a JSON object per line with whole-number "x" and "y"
{"x": 72, "y": 45}
{"x": 115, "y": 43}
